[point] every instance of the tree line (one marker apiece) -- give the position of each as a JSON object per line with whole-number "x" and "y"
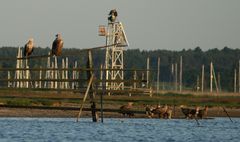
{"x": 224, "y": 60}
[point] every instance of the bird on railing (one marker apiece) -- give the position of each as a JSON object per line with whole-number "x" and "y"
{"x": 28, "y": 48}
{"x": 57, "y": 45}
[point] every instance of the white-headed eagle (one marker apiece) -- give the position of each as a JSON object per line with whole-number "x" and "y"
{"x": 57, "y": 45}
{"x": 28, "y": 48}
{"x": 112, "y": 15}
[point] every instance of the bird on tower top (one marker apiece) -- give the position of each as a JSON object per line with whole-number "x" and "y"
{"x": 112, "y": 15}
{"x": 57, "y": 45}
{"x": 28, "y": 48}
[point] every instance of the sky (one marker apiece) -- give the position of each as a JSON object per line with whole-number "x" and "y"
{"x": 148, "y": 24}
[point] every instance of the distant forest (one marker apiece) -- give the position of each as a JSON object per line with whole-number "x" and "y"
{"x": 224, "y": 61}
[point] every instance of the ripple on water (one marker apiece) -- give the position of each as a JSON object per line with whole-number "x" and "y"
{"x": 122, "y": 130}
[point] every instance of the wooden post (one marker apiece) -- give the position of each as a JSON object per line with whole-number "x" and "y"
{"x": 219, "y": 82}
{"x": 63, "y": 73}
{"x": 21, "y": 71}
{"x": 211, "y": 76}
{"x": 27, "y": 76}
{"x": 48, "y": 72}
{"x": 55, "y": 72}
{"x": 85, "y": 97}
{"x": 103, "y": 93}
{"x": 52, "y": 75}
{"x": 180, "y": 75}
{"x": 158, "y": 75}
{"x": 74, "y": 75}
{"x": 66, "y": 74}
{"x": 215, "y": 79}
{"x": 135, "y": 78}
{"x": 147, "y": 72}
{"x": 92, "y": 95}
{"x": 9, "y": 77}
{"x": 101, "y": 75}
{"x": 176, "y": 77}
{"x": 239, "y": 77}
{"x": 235, "y": 81}
{"x": 197, "y": 83}
{"x": 40, "y": 77}
{"x": 143, "y": 82}
{"x": 202, "y": 86}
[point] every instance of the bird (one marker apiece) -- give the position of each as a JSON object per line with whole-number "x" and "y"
{"x": 126, "y": 109}
{"x": 112, "y": 15}
{"x": 202, "y": 112}
{"x": 185, "y": 111}
{"x": 57, "y": 45}
{"x": 189, "y": 113}
{"x": 28, "y": 48}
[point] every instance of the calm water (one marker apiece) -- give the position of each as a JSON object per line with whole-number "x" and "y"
{"x": 122, "y": 130}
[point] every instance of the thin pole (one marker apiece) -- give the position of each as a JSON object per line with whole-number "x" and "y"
{"x": 235, "y": 81}
{"x": 103, "y": 92}
{"x": 176, "y": 77}
{"x": 239, "y": 77}
{"x": 135, "y": 78}
{"x": 40, "y": 77}
{"x": 211, "y": 76}
{"x": 9, "y": 77}
{"x": 202, "y": 78}
{"x": 147, "y": 72}
{"x": 101, "y": 75}
{"x": 158, "y": 75}
{"x": 219, "y": 82}
{"x": 85, "y": 97}
{"x": 215, "y": 79}
{"x": 180, "y": 75}
{"x": 55, "y": 72}
{"x": 197, "y": 83}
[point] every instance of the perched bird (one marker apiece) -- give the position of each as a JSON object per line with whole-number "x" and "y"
{"x": 112, "y": 15}
{"x": 57, "y": 45}
{"x": 28, "y": 48}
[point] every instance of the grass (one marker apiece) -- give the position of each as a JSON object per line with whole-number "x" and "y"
{"x": 48, "y": 98}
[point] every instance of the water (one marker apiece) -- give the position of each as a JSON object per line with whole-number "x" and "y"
{"x": 118, "y": 130}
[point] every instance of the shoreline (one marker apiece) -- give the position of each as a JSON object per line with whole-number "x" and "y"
{"x": 53, "y": 113}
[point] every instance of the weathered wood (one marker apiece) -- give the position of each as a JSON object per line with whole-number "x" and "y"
{"x": 85, "y": 97}
{"x": 64, "y": 55}
{"x": 92, "y": 87}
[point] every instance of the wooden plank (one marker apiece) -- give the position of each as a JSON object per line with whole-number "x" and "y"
{"x": 85, "y": 97}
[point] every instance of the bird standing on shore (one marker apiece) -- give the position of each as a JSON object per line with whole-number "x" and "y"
{"x": 28, "y": 48}
{"x": 57, "y": 45}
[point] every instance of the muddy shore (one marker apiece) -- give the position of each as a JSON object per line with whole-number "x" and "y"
{"x": 20, "y": 112}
